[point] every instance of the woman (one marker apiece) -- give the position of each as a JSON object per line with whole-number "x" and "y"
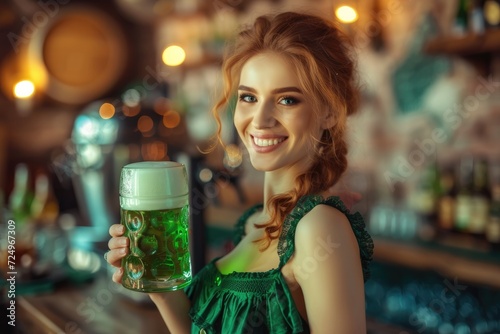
{"x": 301, "y": 258}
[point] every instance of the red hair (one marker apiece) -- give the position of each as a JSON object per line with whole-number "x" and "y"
{"x": 322, "y": 57}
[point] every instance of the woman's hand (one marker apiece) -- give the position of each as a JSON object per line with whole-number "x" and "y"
{"x": 118, "y": 249}
{"x": 173, "y": 306}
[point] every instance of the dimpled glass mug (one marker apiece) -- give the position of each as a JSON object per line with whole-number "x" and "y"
{"x": 154, "y": 205}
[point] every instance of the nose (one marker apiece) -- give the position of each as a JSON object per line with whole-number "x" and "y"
{"x": 264, "y": 116}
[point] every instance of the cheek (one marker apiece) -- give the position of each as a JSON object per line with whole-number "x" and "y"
{"x": 313, "y": 126}
{"x": 301, "y": 123}
{"x": 310, "y": 131}
{"x": 238, "y": 121}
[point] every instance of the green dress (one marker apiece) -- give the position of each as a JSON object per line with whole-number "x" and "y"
{"x": 261, "y": 302}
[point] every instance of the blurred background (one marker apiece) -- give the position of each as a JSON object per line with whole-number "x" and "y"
{"x": 88, "y": 86}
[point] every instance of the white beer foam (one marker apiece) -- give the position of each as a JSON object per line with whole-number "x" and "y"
{"x": 153, "y": 180}
{"x": 140, "y": 204}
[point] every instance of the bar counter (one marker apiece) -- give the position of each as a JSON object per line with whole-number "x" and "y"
{"x": 94, "y": 307}
{"x": 97, "y": 308}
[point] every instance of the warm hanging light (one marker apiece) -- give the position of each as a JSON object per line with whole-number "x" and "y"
{"x": 23, "y": 92}
{"x": 24, "y": 89}
{"x": 173, "y": 55}
{"x": 346, "y": 14}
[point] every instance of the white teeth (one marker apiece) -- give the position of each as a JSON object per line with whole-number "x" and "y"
{"x": 267, "y": 142}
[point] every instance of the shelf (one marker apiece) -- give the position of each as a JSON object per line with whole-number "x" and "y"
{"x": 445, "y": 262}
{"x": 467, "y": 45}
{"x": 207, "y": 60}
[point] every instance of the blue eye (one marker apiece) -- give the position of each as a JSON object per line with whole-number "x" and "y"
{"x": 288, "y": 100}
{"x": 247, "y": 98}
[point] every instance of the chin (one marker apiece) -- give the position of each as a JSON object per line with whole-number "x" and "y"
{"x": 260, "y": 169}
{"x": 261, "y": 166}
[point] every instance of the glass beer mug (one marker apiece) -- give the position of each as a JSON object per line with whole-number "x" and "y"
{"x": 154, "y": 205}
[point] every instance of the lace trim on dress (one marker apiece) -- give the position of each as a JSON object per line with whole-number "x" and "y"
{"x": 286, "y": 245}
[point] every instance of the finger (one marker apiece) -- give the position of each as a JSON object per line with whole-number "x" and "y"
{"x": 117, "y": 276}
{"x": 118, "y": 242}
{"x": 116, "y": 230}
{"x": 115, "y": 256}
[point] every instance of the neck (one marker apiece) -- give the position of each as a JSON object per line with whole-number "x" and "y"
{"x": 278, "y": 182}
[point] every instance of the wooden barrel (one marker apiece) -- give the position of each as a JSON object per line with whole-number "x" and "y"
{"x": 84, "y": 52}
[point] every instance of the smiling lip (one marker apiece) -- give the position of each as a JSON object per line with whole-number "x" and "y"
{"x": 266, "y": 144}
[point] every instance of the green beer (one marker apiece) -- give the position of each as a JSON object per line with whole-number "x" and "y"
{"x": 159, "y": 257}
{"x": 155, "y": 213}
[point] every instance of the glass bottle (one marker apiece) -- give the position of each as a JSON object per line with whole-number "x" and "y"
{"x": 481, "y": 197}
{"x": 463, "y": 205}
{"x": 19, "y": 206}
{"x": 18, "y": 199}
{"x": 44, "y": 207}
{"x": 426, "y": 201}
{"x": 493, "y": 227}
{"x": 462, "y": 17}
{"x": 446, "y": 201}
{"x": 477, "y": 21}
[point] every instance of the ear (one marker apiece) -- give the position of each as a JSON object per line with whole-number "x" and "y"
{"x": 328, "y": 120}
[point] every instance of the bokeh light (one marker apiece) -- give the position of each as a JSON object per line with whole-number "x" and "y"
{"x": 346, "y": 14}
{"x": 161, "y": 106}
{"x": 145, "y": 124}
{"x": 171, "y": 119}
{"x": 24, "y": 89}
{"x": 86, "y": 129}
{"x": 206, "y": 175}
{"x": 131, "y": 111}
{"x": 233, "y": 157}
{"x": 156, "y": 150}
{"x": 131, "y": 97}
{"x": 173, "y": 55}
{"x": 107, "y": 110}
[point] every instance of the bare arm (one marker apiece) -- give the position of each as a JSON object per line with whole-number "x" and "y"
{"x": 174, "y": 309}
{"x": 327, "y": 267}
{"x": 173, "y": 306}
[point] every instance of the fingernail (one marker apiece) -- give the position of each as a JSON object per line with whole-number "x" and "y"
{"x": 123, "y": 242}
{"x": 123, "y": 251}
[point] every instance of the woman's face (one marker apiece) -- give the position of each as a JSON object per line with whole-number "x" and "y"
{"x": 272, "y": 116}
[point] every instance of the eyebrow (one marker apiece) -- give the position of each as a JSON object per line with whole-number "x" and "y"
{"x": 274, "y": 91}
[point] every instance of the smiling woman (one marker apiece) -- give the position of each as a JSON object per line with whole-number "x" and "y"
{"x": 301, "y": 257}
{"x": 273, "y": 118}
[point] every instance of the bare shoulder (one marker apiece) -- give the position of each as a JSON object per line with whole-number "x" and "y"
{"x": 324, "y": 222}
{"x": 327, "y": 267}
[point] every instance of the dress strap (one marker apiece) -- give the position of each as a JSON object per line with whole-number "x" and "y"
{"x": 286, "y": 243}
{"x": 239, "y": 227}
